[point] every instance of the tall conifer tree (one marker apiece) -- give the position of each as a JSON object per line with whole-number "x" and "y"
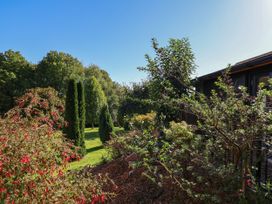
{"x": 105, "y": 124}
{"x": 72, "y": 130}
{"x": 81, "y": 115}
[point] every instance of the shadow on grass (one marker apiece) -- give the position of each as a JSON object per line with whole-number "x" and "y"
{"x": 91, "y": 135}
{"x": 94, "y": 134}
{"x": 93, "y": 149}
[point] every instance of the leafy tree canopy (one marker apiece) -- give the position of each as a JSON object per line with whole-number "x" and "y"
{"x": 169, "y": 74}
{"x": 171, "y": 69}
{"x": 16, "y": 75}
{"x": 55, "y": 70}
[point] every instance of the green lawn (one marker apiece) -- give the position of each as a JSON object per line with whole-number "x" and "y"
{"x": 94, "y": 150}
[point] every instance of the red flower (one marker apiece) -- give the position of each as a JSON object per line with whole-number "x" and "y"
{"x": 2, "y": 190}
{"x": 25, "y": 159}
{"x": 16, "y": 182}
{"x": 21, "y": 104}
{"x": 248, "y": 183}
{"x": 1, "y": 164}
{"x": 41, "y": 172}
{"x": 46, "y": 190}
{"x": 7, "y": 174}
{"x": 95, "y": 198}
{"x": 60, "y": 173}
{"x": 102, "y": 198}
{"x": 67, "y": 159}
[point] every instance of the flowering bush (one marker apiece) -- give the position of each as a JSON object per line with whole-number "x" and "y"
{"x": 33, "y": 158}
{"x": 32, "y": 163}
{"x": 41, "y": 104}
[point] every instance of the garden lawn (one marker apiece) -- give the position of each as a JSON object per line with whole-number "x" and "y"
{"x": 95, "y": 151}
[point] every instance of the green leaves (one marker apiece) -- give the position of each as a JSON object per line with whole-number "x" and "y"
{"x": 56, "y": 69}
{"x": 16, "y": 75}
{"x": 169, "y": 75}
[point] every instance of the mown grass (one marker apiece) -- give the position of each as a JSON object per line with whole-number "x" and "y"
{"x": 95, "y": 151}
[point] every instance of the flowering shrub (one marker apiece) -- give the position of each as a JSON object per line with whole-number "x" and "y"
{"x": 41, "y": 104}
{"x": 33, "y": 158}
{"x": 32, "y": 166}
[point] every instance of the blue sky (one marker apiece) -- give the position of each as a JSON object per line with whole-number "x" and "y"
{"x": 115, "y": 34}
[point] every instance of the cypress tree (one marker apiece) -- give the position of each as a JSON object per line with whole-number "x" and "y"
{"x": 96, "y": 99}
{"x": 105, "y": 124}
{"x": 81, "y": 115}
{"x": 71, "y": 113}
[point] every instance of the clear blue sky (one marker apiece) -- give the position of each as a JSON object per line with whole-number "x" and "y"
{"x": 115, "y": 34}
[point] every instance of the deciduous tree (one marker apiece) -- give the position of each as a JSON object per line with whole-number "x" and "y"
{"x": 56, "y": 69}
{"x": 170, "y": 73}
{"x": 16, "y": 75}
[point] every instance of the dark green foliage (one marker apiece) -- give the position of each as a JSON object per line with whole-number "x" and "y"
{"x": 105, "y": 124}
{"x": 56, "y": 69}
{"x": 72, "y": 130}
{"x": 16, "y": 76}
{"x": 136, "y": 101}
{"x": 130, "y": 106}
{"x": 81, "y": 115}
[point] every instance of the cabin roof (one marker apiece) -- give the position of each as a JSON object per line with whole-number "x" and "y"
{"x": 242, "y": 66}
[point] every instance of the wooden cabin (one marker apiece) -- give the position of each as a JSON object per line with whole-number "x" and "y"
{"x": 248, "y": 73}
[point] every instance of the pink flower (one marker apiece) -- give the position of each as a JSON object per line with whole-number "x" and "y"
{"x": 25, "y": 159}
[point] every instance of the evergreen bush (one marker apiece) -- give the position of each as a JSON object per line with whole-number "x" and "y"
{"x": 72, "y": 130}
{"x": 105, "y": 124}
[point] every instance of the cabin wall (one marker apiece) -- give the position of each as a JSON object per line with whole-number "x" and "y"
{"x": 250, "y": 79}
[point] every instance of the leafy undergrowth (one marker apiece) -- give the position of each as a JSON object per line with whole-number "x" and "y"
{"x": 130, "y": 185}
{"x": 95, "y": 151}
